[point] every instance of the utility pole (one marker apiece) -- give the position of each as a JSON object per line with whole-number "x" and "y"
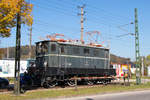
{"x": 128, "y": 71}
{"x": 137, "y": 52}
{"x": 30, "y": 44}
{"x": 7, "y": 52}
{"x": 142, "y": 66}
{"x": 109, "y": 53}
{"x": 82, "y": 20}
{"x": 17, "y": 57}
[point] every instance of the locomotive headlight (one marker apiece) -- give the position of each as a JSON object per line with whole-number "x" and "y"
{"x": 45, "y": 64}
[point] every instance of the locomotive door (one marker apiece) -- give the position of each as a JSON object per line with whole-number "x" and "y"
{"x": 62, "y": 59}
{"x": 54, "y": 57}
{"x": 86, "y": 60}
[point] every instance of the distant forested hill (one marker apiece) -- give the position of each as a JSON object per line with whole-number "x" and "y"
{"x": 11, "y": 50}
{"x": 117, "y": 59}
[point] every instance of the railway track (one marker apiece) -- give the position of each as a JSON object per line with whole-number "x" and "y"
{"x": 11, "y": 86}
{"x": 10, "y": 89}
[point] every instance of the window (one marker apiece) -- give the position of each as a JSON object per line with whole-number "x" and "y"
{"x": 107, "y": 53}
{"x": 76, "y": 50}
{"x": 44, "y": 47}
{"x": 102, "y": 53}
{"x": 38, "y": 48}
{"x": 86, "y": 51}
{"x": 53, "y": 47}
{"x": 96, "y": 52}
{"x": 62, "y": 50}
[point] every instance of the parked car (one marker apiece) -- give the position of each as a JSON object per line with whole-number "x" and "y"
{"x": 3, "y": 82}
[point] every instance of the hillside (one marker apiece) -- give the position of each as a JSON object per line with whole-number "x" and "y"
{"x": 24, "y": 52}
{"x": 117, "y": 59}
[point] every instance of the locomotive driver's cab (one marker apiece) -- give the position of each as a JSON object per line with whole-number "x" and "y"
{"x": 42, "y": 49}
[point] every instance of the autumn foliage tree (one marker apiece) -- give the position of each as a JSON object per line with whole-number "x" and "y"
{"x": 147, "y": 61}
{"x": 8, "y": 15}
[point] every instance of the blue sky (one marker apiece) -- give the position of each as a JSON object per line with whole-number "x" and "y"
{"x": 60, "y": 16}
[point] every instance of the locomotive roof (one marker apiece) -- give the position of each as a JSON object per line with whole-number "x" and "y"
{"x": 71, "y": 43}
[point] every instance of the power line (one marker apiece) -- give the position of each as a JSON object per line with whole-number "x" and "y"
{"x": 95, "y": 21}
{"x": 64, "y": 13}
{"x": 95, "y": 9}
{"x": 74, "y": 15}
{"x": 52, "y": 6}
{"x": 107, "y": 12}
{"x": 39, "y": 22}
{"x": 63, "y": 3}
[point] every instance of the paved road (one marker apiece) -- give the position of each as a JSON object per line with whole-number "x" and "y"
{"x": 134, "y": 95}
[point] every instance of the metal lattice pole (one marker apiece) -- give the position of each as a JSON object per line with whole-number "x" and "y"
{"x": 137, "y": 52}
{"x": 30, "y": 44}
{"x": 82, "y": 20}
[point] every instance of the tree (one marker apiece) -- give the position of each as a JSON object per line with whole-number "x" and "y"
{"x": 147, "y": 60}
{"x": 8, "y": 15}
{"x": 1, "y": 53}
{"x": 148, "y": 57}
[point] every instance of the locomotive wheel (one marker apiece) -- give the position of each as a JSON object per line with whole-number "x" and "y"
{"x": 99, "y": 82}
{"x": 45, "y": 85}
{"x": 49, "y": 84}
{"x": 88, "y": 82}
{"x": 71, "y": 83}
{"x": 105, "y": 82}
{"x": 52, "y": 84}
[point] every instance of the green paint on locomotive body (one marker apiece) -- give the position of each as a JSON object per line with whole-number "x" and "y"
{"x": 68, "y": 55}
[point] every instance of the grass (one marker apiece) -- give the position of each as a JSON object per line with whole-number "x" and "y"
{"x": 72, "y": 92}
{"x": 143, "y": 77}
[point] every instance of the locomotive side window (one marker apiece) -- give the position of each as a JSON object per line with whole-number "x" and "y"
{"x": 106, "y": 53}
{"x": 86, "y": 51}
{"x": 53, "y": 47}
{"x": 76, "y": 50}
{"x": 62, "y": 50}
{"x": 96, "y": 52}
{"x": 102, "y": 53}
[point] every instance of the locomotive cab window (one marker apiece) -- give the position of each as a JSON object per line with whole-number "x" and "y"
{"x": 53, "y": 47}
{"x": 45, "y": 47}
{"x": 38, "y": 48}
{"x": 42, "y": 48}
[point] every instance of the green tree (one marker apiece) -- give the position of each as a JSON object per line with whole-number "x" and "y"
{"x": 147, "y": 60}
